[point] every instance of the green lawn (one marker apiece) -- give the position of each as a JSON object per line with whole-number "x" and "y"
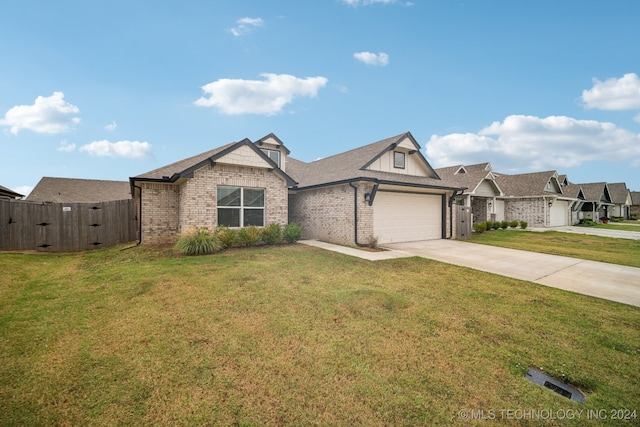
{"x": 621, "y": 226}
{"x": 594, "y": 248}
{"x": 294, "y": 335}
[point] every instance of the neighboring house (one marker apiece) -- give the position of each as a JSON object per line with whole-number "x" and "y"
{"x": 597, "y": 201}
{"x": 236, "y": 185}
{"x": 379, "y": 193}
{"x": 70, "y": 190}
{"x": 536, "y": 198}
{"x": 575, "y": 191}
{"x": 384, "y": 192}
{"x": 621, "y": 199}
{"x": 6, "y": 193}
{"x": 481, "y": 192}
{"x": 635, "y": 204}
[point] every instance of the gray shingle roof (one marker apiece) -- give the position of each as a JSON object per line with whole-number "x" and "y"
{"x": 618, "y": 192}
{"x": 6, "y": 192}
{"x": 182, "y": 165}
{"x": 594, "y": 191}
{"x": 349, "y": 166}
{"x": 470, "y": 179}
{"x": 71, "y": 190}
{"x": 635, "y": 198}
{"x": 526, "y": 184}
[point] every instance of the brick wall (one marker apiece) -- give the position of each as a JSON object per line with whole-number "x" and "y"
{"x": 531, "y": 210}
{"x": 327, "y": 214}
{"x": 169, "y": 209}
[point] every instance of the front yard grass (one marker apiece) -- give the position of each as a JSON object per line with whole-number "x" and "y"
{"x": 294, "y": 335}
{"x": 594, "y": 248}
{"x": 621, "y": 226}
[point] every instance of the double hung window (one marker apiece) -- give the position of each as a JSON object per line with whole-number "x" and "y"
{"x": 240, "y": 206}
{"x": 273, "y": 155}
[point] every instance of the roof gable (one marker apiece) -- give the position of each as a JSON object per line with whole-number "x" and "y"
{"x": 530, "y": 184}
{"x": 478, "y": 178}
{"x": 619, "y": 193}
{"x": 596, "y": 192}
{"x": 273, "y": 140}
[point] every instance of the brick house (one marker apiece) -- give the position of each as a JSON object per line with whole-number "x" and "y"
{"x": 537, "y": 198}
{"x": 384, "y": 192}
{"x": 635, "y": 204}
{"x": 482, "y": 190}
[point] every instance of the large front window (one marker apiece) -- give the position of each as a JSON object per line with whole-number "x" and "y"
{"x": 240, "y": 206}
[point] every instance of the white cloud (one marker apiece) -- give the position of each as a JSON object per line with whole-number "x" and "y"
{"x": 111, "y": 126}
{"x": 126, "y": 149}
{"x": 267, "y": 97}
{"x": 369, "y": 58}
{"x": 66, "y": 146}
{"x": 24, "y": 190}
{"x": 47, "y": 115}
{"x": 529, "y": 143}
{"x": 614, "y": 94}
{"x": 245, "y": 25}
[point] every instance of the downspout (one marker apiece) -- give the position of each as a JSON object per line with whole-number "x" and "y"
{"x": 139, "y": 216}
{"x": 455, "y": 194}
{"x": 355, "y": 212}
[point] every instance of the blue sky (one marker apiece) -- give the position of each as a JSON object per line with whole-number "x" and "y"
{"x": 113, "y": 89}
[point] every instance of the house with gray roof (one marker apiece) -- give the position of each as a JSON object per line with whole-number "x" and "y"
{"x": 72, "y": 190}
{"x": 621, "y": 199}
{"x": 384, "y": 192}
{"x": 6, "y": 193}
{"x": 634, "y": 210}
{"x": 481, "y": 190}
{"x": 597, "y": 201}
{"x": 537, "y": 198}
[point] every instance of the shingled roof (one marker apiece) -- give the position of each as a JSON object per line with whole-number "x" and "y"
{"x": 8, "y": 193}
{"x": 618, "y": 192}
{"x": 71, "y": 190}
{"x": 528, "y": 184}
{"x": 595, "y": 192}
{"x": 182, "y": 165}
{"x": 469, "y": 176}
{"x": 352, "y": 165}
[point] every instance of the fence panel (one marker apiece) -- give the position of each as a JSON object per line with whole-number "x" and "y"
{"x": 66, "y": 227}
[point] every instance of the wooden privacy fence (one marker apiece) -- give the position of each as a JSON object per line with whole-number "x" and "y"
{"x": 66, "y": 227}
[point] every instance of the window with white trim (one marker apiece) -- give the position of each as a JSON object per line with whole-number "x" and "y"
{"x": 398, "y": 160}
{"x": 273, "y": 155}
{"x": 240, "y": 206}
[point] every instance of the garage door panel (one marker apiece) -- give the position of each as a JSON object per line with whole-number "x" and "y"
{"x": 405, "y": 217}
{"x": 559, "y": 213}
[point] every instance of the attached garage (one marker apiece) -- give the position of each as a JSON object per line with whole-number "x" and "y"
{"x": 559, "y": 213}
{"x": 407, "y": 217}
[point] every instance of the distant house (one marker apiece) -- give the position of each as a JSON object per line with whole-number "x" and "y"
{"x": 6, "y": 193}
{"x": 597, "y": 201}
{"x": 621, "y": 199}
{"x": 482, "y": 190}
{"x": 71, "y": 190}
{"x": 537, "y": 198}
{"x": 635, "y": 204}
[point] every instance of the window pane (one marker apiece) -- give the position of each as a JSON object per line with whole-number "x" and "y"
{"x": 229, "y": 217}
{"x": 275, "y": 156}
{"x": 254, "y": 197}
{"x": 228, "y": 196}
{"x": 254, "y": 217}
{"x": 398, "y": 160}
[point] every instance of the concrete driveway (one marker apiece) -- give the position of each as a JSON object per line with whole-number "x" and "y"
{"x": 609, "y": 281}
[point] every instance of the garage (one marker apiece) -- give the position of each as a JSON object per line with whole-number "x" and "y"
{"x": 406, "y": 217}
{"x": 559, "y": 213}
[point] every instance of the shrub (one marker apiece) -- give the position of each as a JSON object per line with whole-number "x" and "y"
{"x": 228, "y": 236}
{"x": 587, "y": 222}
{"x": 494, "y": 225}
{"x": 504, "y": 225}
{"x": 523, "y": 224}
{"x": 513, "y": 224}
{"x": 480, "y": 227}
{"x": 272, "y": 234}
{"x": 292, "y": 232}
{"x": 249, "y": 236}
{"x": 198, "y": 241}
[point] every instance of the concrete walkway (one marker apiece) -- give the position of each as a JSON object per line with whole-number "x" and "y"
{"x": 609, "y": 281}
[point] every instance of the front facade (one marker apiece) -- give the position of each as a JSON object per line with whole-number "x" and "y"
{"x": 381, "y": 193}
{"x": 621, "y": 200}
{"x": 597, "y": 204}
{"x": 236, "y": 185}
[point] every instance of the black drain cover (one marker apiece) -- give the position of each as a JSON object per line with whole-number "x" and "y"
{"x": 554, "y": 384}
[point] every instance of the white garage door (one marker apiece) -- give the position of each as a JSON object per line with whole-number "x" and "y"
{"x": 402, "y": 217}
{"x": 559, "y": 213}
